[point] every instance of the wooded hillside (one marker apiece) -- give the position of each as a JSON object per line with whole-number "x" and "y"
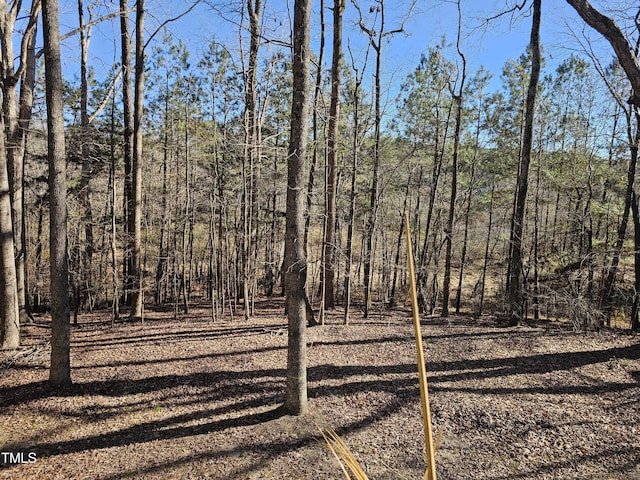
{"x": 169, "y": 195}
{"x": 521, "y": 195}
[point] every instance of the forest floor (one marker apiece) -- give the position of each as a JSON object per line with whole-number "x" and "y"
{"x": 188, "y": 398}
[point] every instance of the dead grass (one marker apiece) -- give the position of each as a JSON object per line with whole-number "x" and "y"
{"x": 196, "y": 399}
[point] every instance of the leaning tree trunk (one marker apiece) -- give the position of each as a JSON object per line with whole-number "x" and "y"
{"x": 295, "y": 263}
{"x": 60, "y": 371}
{"x": 516, "y": 290}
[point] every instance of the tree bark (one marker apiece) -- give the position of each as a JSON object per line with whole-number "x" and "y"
{"x": 86, "y": 257}
{"x": 314, "y": 121}
{"x": 332, "y": 154}
{"x": 295, "y": 261}
{"x": 446, "y": 282}
{"x": 127, "y": 106}
{"x": 136, "y": 169}
{"x": 9, "y": 311}
{"x": 352, "y": 192}
{"x": 250, "y": 159}
{"x": 457, "y": 100}
{"x": 14, "y": 127}
{"x": 515, "y": 293}
{"x": 60, "y": 371}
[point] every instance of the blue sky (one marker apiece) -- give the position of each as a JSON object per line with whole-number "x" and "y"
{"x": 489, "y": 44}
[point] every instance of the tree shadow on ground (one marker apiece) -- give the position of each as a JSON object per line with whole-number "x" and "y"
{"x": 226, "y": 399}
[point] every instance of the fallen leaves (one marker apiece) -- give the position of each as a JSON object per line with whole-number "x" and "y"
{"x": 196, "y": 399}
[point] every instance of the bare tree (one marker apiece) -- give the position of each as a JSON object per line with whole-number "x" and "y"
{"x": 60, "y": 371}
{"x": 136, "y": 169}
{"x": 515, "y": 292}
{"x": 376, "y": 34}
{"x": 457, "y": 100}
{"x": 332, "y": 144}
{"x": 356, "y": 141}
{"x": 127, "y": 106}
{"x": 9, "y": 316}
{"x": 15, "y": 129}
{"x": 250, "y": 159}
{"x": 295, "y": 263}
{"x": 84, "y": 284}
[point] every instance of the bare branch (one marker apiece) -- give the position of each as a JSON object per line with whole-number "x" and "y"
{"x": 87, "y": 26}
{"x": 464, "y": 60}
{"x": 266, "y": 40}
{"x": 30, "y": 31}
{"x": 516, "y": 7}
{"x": 610, "y": 30}
{"x": 170, "y": 20}
{"x": 107, "y": 96}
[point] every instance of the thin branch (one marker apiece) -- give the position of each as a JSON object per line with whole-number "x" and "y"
{"x": 266, "y": 40}
{"x": 170, "y": 20}
{"x": 87, "y": 26}
{"x": 404, "y": 22}
{"x": 464, "y": 60}
{"x": 516, "y": 7}
{"x": 610, "y": 30}
{"x": 107, "y": 96}
{"x": 26, "y": 39}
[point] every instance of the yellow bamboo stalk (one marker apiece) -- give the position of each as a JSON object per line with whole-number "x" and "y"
{"x": 430, "y": 474}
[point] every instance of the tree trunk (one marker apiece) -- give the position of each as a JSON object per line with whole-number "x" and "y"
{"x": 373, "y": 197}
{"x": 396, "y": 262}
{"x": 352, "y": 200}
{"x": 465, "y": 236}
{"x": 163, "y": 254}
{"x": 136, "y": 234}
{"x": 14, "y": 128}
{"x": 485, "y": 263}
{"x": 457, "y": 100}
{"x": 516, "y": 290}
{"x": 127, "y": 106}
{"x": 295, "y": 262}
{"x": 60, "y": 371}
{"x": 314, "y": 121}
{"x": 635, "y": 317}
{"x": 250, "y": 159}
{"x": 86, "y": 257}
{"x": 634, "y": 140}
{"x": 446, "y": 283}
{"x": 112, "y": 198}
{"x": 27, "y": 85}
{"x": 332, "y": 143}
{"x": 9, "y": 311}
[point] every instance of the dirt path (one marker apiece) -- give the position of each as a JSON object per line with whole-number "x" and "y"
{"x": 196, "y": 399}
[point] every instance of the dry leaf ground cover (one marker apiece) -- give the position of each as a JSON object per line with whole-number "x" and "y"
{"x": 188, "y": 398}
